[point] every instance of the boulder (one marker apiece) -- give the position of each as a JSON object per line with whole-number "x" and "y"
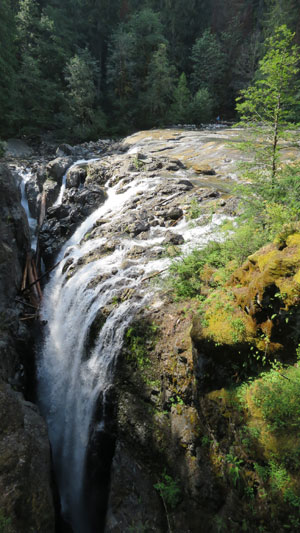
{"x": 18, "y": 148}
{"x": 204, "y": 169}
{"x": 51, "y": 188}
{"x": 173, "y": 238}
{"x": 75, "y": 177}
{"x": 174, "y": 213}
{"x": 64, "y": 149}
{"x": 58, "y": 167}
{"x": 32, "y": 190}
{"x": 98, "y": 173}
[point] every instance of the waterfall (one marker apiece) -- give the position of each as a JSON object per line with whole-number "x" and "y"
{"x": 74, "y": 369}
{"x": 26, "y": 175}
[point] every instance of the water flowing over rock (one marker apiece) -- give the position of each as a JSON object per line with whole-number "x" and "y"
{"x": 100, "y": 285}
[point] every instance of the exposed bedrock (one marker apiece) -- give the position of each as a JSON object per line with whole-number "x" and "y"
{"x": 25, "y": 474}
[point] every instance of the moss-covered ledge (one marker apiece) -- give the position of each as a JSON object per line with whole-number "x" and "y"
{"x": 253, "y": 318}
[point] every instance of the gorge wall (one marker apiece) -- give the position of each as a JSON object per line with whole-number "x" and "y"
{"x": 26, "y": 501}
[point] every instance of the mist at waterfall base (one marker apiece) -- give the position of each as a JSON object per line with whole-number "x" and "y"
{"x": 76, "y": 368}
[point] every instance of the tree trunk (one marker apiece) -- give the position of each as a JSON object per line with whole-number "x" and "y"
{"x": 275, "y": 143}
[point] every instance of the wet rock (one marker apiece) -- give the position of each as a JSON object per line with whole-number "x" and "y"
{"x": 51, "y": 188}
{"x": 129, "y": 480}
{"x": 58, "y": 167}
{"x": 98, "y": 173}
{"x": 173, "y": 238}
{"x": 33, "y": 191}
{"x": 76, "y": 177}
{"x": 174, "y": 213}
{"x": 138, "y": 227}
{"x": 14, "y": 236}
{"x": 61, "y": 221}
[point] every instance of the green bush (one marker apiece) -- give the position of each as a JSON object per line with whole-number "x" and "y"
{"x": 277, "y": 394}
{"x": 169, "y": 490}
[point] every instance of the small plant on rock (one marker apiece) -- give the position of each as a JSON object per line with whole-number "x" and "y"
{"x": 169, "y": 491}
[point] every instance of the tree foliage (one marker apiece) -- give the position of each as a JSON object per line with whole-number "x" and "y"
{"x": 272, "y": 100}
{"x": 217, "y": 44}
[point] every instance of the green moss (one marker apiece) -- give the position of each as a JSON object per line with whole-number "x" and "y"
{"x": 140, "y": 337}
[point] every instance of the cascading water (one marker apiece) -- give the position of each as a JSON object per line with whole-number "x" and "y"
{"x": 76, "y": 366}
{"x": 26, "y": 175}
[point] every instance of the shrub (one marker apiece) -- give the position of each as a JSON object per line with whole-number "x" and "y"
{"x": 169, "y": 490}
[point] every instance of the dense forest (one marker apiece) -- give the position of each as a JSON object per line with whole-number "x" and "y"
{"x": 85, "y": 68}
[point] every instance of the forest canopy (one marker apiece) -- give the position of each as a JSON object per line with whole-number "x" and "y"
{"x": 85, "y": 68}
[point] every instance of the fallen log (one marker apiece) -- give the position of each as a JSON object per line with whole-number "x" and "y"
{"x": 41, "y": 220}
{"x": 25, "y": 303}
{"x": 155, "y": 274}
{"x": 38, "y": 286}
{"x": 24, "y": 279}
{"x": 31, "y": 317}
{"x": 41, "y": 277}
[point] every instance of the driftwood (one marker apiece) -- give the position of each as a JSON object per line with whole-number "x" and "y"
{"x": 168, "y": 200}
{"x": 24, "y": 279}
{"x": 39, "y": 290}
{"x": 34, "y": 295}
{"x": 41, "y": 220}
{"x": 33, "y": 283}
{"x": 42, "y": 209}
{"x": 155, "y": 274}
{"x": 29, "y": 317}
{"x": 25, "y": 303}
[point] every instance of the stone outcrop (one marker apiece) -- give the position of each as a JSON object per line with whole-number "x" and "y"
{"x": 25, "y": 475}
{"x": 256, "y": 310}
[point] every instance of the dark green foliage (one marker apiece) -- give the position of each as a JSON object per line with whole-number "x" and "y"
{"x": 180, "y": 110}
{"x": 8, "y": 64}
{"x": 160, "y": 83}
{"x": 208, "y": 60}
{"x": 202, "y": 105}
{"x": 139, "y": 338}
{"x": 169, "y": 490}
{"x": 139, "y": 49}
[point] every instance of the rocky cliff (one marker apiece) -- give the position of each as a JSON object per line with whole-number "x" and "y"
{"x": 26, "y": 502}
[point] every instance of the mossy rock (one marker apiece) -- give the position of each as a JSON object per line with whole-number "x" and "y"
{"x": 258, "y": 307}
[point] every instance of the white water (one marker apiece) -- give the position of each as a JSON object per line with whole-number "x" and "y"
{"x": 64, "y": 179}
{"x": 26, "y": 175}
{"x": 72, "y": 375}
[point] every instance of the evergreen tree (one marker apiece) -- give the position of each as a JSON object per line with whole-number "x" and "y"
{"x": 7, "y": 64}
{"x": 270, "y": 103}
{"x": 159, "y": 86}
{"x": 84, "y": 118}
{"x": 180, "y": 109}
{"x": 208, "y": 61}
{"x": 121, "y": 76}
{"x": 279, "y": 12}
{"x": 202, "y": 107}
